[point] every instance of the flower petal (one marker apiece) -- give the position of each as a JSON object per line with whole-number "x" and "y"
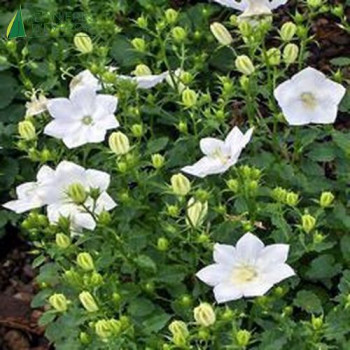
{"x": 209, "y": 145}
{"x": 97, "y": 179}
{"x": 237, "y": 5}
{"x": 213, "y": 274}
{"x": 256, "y": 289}
{"x": 62, "y": 108}
{"x": 84, "y": 100}
{"x": 277, "y": 273}
{"x": 225, "y": 292}
{"x": 206, "y": 166}
{"x": 224, "y": 254}
{"x": 273, "y": 254}
{"x": 248, "y": 248}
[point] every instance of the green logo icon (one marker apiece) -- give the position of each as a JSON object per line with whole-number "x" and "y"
{"x": 16, "y": 27}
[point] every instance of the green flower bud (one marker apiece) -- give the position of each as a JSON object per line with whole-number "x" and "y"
{"x": 3, "y": 60}
{"x": 171, "y": 16}
{"x": 179, "y": 327}
{"x": 88, "y": 302}
{"x": 204, "y": 315}
{"x": 162, "y": 244}
{"x": 62, "y": 241}
{"x": 103, "y": 329}
{"x": 122, "y": 167}
{"x": 142, "y": 70}
{"x": 157, "y": 161}
{"x": 244, "y": 81}
{"x": 202, "y": 195}
{"x": 234, "y": 20}
{"x": 85, "y": 339}
{"x": 290, "y": 53}
{"x": 308, "y": 223}
{"x": 179, "y": 340}
{"x": 244, "y": 65}
{"x": 84, "y": 260}
{"x": 326, "y": 199}
{"x": 115, "y": 326}
{"x": 245, "y": 28}
{"x": 314, "y": 3}
{"x": 338, "y": 10}
{"x": 179, "y": 34}
{"x": 196, "y": 212}
{"x": 83, "y": 43}
{"x": 180, "y": 184}
{"x": 182, "y": 127}
{"x": 142, "y": 22}
{"x": 292, "y": 199}
{"x": 173, "y": 210}
{"x": 137, "y": 130}
{"x": 243, "y": 337}
{"x": 273, "y": 56}
{"x": 58, "y": 302}
{"x": 119, "y": 143}
{"x": 26, "y": 130}
{"x": 139, "y": 44}
{"x": 317, "y": 322}
{"x": 253, "y": 185}
{"x": 104, "y": 218}
{"x": 96, "y": 279}
{"x": 189, "y": 98}
{"x": 302, "y": 32}
{"x": 288, "y": 31}
{"x": 221, "y": 34}
{"x": 72, "y": 277}
{"x": 186, "y": 77}
{"x": 279, "y": 194}
{"x": 77, "y": 193}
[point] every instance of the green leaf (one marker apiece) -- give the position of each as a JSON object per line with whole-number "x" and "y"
{"x": 8, "y": 89}
{"x": 341, "y": 61}
{"x": 146, "y": 263}
{"x": 157, "y": 145}
{"x": 322, "y": 152}
{"x": 141, "y": 307}
{"x": 308, "y": 301}
{"x": 156, "y": 323}
{"x": 47, "y": 317}
{"x": 323, "y": 267}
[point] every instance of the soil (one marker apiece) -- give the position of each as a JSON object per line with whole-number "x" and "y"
{"x": 18, "y": 323}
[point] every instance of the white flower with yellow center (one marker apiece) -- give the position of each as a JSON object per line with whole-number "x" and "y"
{"x": 219, "y": 155}
{"x": 83, "y": 118}
{"x": 309, "y": 97}
{"x": 248, "y": 270}
{"x": 252, "y": 8}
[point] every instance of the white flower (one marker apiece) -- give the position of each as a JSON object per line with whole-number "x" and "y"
{"x": 219, "y": 155}
{"x": 36, "y": 105}
{"x": 252, "y": 8}
{"x": 83, "y": 118}
{"x": 250, "y": 269}
{"x": 309, "y": 97}
{"x": 83, "y": 79}
{"x": 52, "y": 187}
{"x": 146, "y": 81}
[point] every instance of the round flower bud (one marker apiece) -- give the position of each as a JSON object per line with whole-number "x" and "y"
{"x": 243, "y": 337}
{"x": 196, "y": 212}
{"x": 273, "y": 56}
{"x": 221, "y": 34}
{"x": 182, "y": 127}
{"x": 162, "y": 244}
{"x": 288, "y": 31}
{"x": 244, "y": 65}
{"x": 171, "y": 16}
{"x": 142, "y": 22}
{"x": 180, "y": 184}
{"x": 142, "y": 70}
{"x": 88, "y": 302}
{"x": 173, "y": 210}
{"x": 84, "y": 338}
{"x": 326, "y": 199}
{"x": 83, "y": 43}
{"x": 204, "y": 315}
{"x": 314, "y": 3}
{"x": 245, "y": 28}
{"x": 96, "y": 279}
{"x": 290, "y": 53}
{"x": 244, "y": 82}
{"x": 317, "y": 322}
{"x": 139, "y": 44}
{"x": 279, "y": 194}
{"x": 119, "y": 143}
{"x": 26, "y": 130}
{"x": 157, "y": 161}
{"x": 137, "y": 130}
{"x": 202, "y": 195}
{"x": 103, "y": 329}
{"x": 189, "y": 98}
{"x": 58, "y": 302}
{"x": 292, "y": 199}
{"x": 77, "y": 193}
{"x": 62, "y": 241}
{"x": 84, "y": 260}
{"x": 308, "y": 223}
{"x": 179, "y": 327}
{"x": 179, "y": 34}
{"x": 179, "y": 340}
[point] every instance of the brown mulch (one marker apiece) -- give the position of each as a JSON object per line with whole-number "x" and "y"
{"x": 18, "y": 322}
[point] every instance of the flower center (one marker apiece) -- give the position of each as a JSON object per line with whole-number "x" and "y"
{"x": 221, "y": 156}
{"x": 309, "y": 100}
{"x": 244, "y": 274}
{"x": 87, "y": 120}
